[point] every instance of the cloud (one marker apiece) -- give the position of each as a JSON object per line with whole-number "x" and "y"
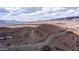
{"x": 3, "y": 10}
{"x": 37, "y": 13}
{"x": 23, "y": 10}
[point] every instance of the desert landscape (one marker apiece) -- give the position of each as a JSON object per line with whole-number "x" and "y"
{"x": 57, "y": 35}
{"x": 39, "y": 28}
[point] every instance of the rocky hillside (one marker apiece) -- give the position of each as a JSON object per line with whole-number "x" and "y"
{"x": 44, "y": 37}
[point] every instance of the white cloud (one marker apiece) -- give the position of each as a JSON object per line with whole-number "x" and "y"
{"x": 40, "y": 14}
{"x": 70, "y": 11}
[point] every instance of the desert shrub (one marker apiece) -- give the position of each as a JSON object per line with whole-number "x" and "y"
{"x": 4, "y": 35}
{"x": 46, "y": 48}
{"x": 58, "y": 49}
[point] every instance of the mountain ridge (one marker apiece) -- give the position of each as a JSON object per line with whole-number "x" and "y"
{"x": 14, "y": 21}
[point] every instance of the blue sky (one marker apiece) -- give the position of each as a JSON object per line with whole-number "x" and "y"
{"x": 36, "y": 13}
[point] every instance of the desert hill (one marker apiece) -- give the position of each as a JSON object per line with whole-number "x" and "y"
{"x": 40, "y": 37}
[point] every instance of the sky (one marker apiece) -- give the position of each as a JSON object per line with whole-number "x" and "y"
{"x": 36, "y": 13}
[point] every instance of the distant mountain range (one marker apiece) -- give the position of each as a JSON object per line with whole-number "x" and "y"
{"x": 15, "y": 22}
{"x": 64, "y": 18}
{"x": 8, "y": 22}
{"x": 68, "y": 18}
